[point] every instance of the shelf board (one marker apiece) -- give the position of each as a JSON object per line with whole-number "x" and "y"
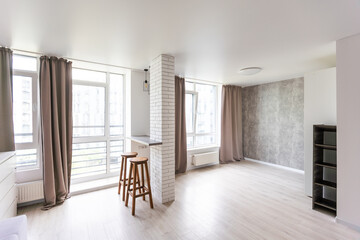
{"x": 326, "y": 183}
{"x": 326, "y": 127}
{"x": 326, "y": 203}
{"x": 331, "y": 147}
{"x": 324, "y": 164}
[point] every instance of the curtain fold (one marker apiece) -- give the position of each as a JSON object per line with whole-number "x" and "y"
{"x": 6, "y": 101}
{"x": 56, "y": 121}
{"x": 231, "y": 147}
{"x": 180, "y": 126}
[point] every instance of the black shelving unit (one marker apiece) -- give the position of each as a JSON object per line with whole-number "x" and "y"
{"x": 324, "y": 168}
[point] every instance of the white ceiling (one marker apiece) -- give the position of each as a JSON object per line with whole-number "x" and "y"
{"x": 210, "y": 39}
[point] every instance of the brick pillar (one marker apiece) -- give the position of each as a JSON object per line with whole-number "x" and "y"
{"x": 162, "y": 127}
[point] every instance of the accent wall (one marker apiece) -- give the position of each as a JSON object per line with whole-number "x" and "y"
{"x": 273, "y": 122}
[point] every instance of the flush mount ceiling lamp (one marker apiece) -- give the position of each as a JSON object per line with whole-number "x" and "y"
{"x": 250, "y": 71}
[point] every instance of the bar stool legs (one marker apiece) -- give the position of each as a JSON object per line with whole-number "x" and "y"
{"x": 128, "y": 186}
{"x": 148, "y": 183}
{"x": 135, "y": 183}
{"x": 142, "y": 178}
{"x": 123, "y": 181}
{"x": 134, "y": 189}
{"x": 121, "y": 174}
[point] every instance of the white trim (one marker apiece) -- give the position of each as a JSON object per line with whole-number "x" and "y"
{"x": 193, "y": 167}
{"x": 107, "y": 138}
{"x": 195, "y": 94}
{"x": 350, "y": 225}
{"x": 275, "y": 165}
{"x": 195, "y": 80}
{"x": 32, "y": 173}
{"x": 79, "y": 62}
{"x": 94, "y": 185}
{"x": 202, "y": 148}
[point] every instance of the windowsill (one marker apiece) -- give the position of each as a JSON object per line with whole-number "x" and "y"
{"x": 95, "y": 185}
{"x": 202, "y": 148}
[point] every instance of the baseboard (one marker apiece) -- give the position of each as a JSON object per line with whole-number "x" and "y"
{"x": 91, "y": 186}
{"x": 24, "y": 204}
{"x": 275, "y": 165}
{"x": 192, "y": 167}
{"x": 350, "y": 225}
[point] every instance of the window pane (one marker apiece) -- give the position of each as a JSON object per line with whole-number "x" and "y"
{"x": 24, "y": 63}
{"x": 189, "y": 86}
{"x": 26, "y": 158}
{"x": 190, "y": 141}
{"x": 204, "y": 140}
{"x": 116, "y": 149}
{"x": 88, "y": 111}
{"x": 22, "y": 109}
{"x": 189, "y": 112}
{"x": 88, "y": 159}
{"x": 87, "y": 75}
{"x": 206, "y": 109}
{"x": 116, "y": 101}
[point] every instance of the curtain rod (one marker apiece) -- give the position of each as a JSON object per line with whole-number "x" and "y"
{"x": 74, "y": 59}
{"x": 201, "y": 80}
{"x": 109, "y": 65}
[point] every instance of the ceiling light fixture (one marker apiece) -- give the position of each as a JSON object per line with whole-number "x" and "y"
{"x": 250, "y": 71}
{"x": 146, "y": 85}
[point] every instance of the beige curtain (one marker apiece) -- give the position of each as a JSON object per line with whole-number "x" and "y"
{"x": 231, "y": 148}
{"x": 56, "y": 121}
{"x": 6, "y": 104}
{"x": 180, "y": 126}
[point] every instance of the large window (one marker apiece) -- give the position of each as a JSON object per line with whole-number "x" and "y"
{"x": 25, "y": 111}
{"x": 98, "y": 123}
{"x": 201, "y": 114}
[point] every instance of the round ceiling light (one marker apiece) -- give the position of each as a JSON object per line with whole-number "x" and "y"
{"x": 250, "y": 71}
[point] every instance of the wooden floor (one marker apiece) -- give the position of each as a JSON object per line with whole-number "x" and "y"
{"x": 243, "y": 200}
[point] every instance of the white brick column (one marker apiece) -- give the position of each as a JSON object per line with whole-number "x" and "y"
{"x": 162, "y": 127}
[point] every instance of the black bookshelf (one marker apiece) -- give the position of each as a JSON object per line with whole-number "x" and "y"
{"x": 324, "y": 168}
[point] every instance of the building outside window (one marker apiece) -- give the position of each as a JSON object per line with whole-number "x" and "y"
{"x": 98, "y": 120}
{"x": 25, "y": 112}
{"x": 201, "y": 114}
{"x": 98, "y": 123}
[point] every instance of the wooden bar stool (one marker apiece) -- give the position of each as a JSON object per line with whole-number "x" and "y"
{"x": 134, "y": 175}
{"x": 123, "y": 181}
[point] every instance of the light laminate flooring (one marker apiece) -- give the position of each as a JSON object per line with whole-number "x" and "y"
{"x": 242, "y": 200}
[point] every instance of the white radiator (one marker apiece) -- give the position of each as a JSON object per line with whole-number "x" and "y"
{"x": 205, "y": 158}
{"x": 31, "y": 191}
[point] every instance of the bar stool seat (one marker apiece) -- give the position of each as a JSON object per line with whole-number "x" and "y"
{"x": 123, "y": 181}
{"x": 134, "y": 175}
{"x": 139, "y": 160}
{"x": 129, "y": 154}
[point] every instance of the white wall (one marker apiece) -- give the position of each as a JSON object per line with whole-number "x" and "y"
{"x": 140, "y": 105}
{"x": 319, "y": 108}
{"x": 141, "y": 149}
{"x": 348, "y": 130}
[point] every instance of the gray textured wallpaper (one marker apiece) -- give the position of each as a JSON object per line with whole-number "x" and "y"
{"x": 273, "y": 122}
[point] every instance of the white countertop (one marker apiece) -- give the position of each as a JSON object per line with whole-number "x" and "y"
{"x": 146, "y": 140}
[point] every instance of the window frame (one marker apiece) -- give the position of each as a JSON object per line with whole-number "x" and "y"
{"x": 36, "y": 125}
{"x": 195, "y": 113}
{"x": 107, "y": 137}
{"x": 194, "y": 94}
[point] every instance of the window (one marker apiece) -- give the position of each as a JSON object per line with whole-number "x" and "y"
{"x": 25, "y": 111}
{"x": 98, "y": 123}
{"x": 201, "y": 114}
